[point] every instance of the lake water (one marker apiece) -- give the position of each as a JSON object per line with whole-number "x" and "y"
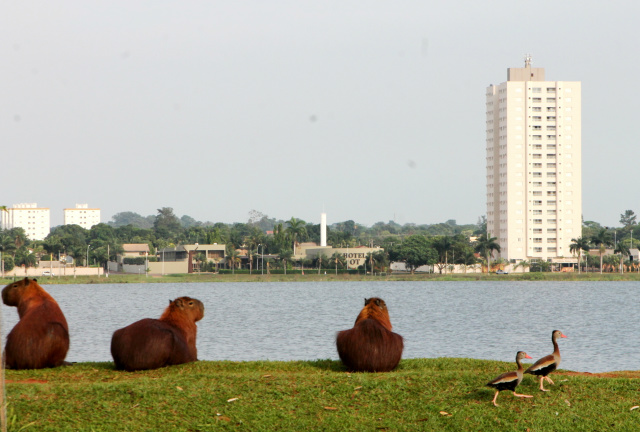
{"x": 298, "y": 321}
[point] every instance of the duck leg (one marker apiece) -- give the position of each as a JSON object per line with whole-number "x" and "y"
{"x": 496, "y": 398}
{"x": 541, "y": 384}
{"x": 521, "y": 395}
{"x": 549, "y": 380}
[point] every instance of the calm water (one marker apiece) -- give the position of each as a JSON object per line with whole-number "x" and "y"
{"x": 298, "y": 321}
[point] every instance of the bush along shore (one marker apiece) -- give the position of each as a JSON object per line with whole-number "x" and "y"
{"x": 421, "y": 394}
{"x": 313, "y": 276}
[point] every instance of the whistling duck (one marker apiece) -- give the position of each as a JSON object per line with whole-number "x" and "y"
{"x": 547, "y": 364}
{"x": 509, "y": 380}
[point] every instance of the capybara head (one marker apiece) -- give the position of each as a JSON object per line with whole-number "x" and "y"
{"x": 375, "y": 308}
{"x": 190, "y": 308}
{"x": 12, "y": 293}
{"x": 375, "y": 301}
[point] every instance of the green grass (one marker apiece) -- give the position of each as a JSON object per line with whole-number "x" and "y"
{"x": 422, "y": 394}
{"x": 329, "y": 277}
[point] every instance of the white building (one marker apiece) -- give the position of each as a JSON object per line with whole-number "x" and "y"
{"x": 82, "y": 215}
{"x": 35, "y": 221}
{"x": 534, "y": 190}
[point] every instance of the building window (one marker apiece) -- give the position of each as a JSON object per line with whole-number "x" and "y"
{"x": 551, "y": 165}
{"x": 537, "y": 203}
{"x": 537, "y": 249}
{"x": 536, "y": 109}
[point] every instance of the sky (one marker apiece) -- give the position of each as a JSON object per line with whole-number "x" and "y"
{"x": 368, "y": 111}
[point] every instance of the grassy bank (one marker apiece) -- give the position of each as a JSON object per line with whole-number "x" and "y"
{"x": 314, "y": 277}
{"x": 422, "y": 394}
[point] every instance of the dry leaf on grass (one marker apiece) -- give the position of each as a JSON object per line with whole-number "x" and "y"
{"x": 179, "y": 388}
{"x": 634, "y": 407}
{"x": 444, "y": 413}
{"x": 232, "y": 399}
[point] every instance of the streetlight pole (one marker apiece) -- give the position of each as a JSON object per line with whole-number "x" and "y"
{"x": 262, "y": 259}
{"x": 87, "y": 264}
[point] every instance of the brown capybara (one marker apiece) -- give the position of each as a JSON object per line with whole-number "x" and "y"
{"x": 154, "y": 343}
{"x": 41, "y": 338}
{"x": 370, "y": 346}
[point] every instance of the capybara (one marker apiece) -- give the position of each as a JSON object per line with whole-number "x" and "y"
{"x": 370, "y": 346}
{"x": 154, "y": 343}
{"x": 41, "y": 338}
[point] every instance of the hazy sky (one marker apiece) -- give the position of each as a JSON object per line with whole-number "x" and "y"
{"x": 372, "y": 111}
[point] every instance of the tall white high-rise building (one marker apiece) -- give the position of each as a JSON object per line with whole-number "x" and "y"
{"x": 82, "y": 215}
{"x": 36, "y": 221}
{"x": 534, "y": 190}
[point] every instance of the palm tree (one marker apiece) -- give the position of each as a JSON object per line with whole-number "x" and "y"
{"x": 579, "y": 244}
{"x": 623, "y": 251}
{"x": 601, "y": 240}
{"x": 338, "y": 258}
{"x": 284, "y": 256}
{"x": 233, "y": 258}
{"x": 320, "y": 258}
{"x": 524, "y": 264}
{"x": 297, "y": 230}
{"x": 485, "y": 245}
{"x": 443, "y": 245}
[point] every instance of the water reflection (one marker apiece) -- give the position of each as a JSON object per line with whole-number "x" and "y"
{"x": 298, "y": 321}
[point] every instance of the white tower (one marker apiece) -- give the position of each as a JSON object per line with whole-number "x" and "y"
{"x": 323, "y": 229}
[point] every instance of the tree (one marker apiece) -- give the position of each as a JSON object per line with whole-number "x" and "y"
{"x": 628, "y": 218}
{"x": 524, "y": 264}
{"x": 623, "y": 251}
{"x": 284, "y": 256}
{"x": 467, "y": 259}
{"x": 297, "y": 230}
{"x": 485, "y": 245}
{"x": 414, "y": 251}
{"x": 131, "y": 218}
{"x": 601, "y": 240}
{"x": 338, "y": 258}
{"x": 443, "y": 245}
{"x": 167, "y": 224}
{"x": 577, "y": 246}
{"x": 233, "y": 257}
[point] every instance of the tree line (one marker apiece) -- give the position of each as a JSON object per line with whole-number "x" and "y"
{"x": 441, "y": 245}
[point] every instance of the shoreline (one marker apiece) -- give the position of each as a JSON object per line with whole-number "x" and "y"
{"x": 314, "y": 277}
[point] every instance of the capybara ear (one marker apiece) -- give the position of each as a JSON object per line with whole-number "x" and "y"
{"x": 366, "y": 300}
{"x": 35, "y": 280}
{"x": 178, "y": 303}
{"x": 170, "y": 301}
{"x": 378, "y": 302}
